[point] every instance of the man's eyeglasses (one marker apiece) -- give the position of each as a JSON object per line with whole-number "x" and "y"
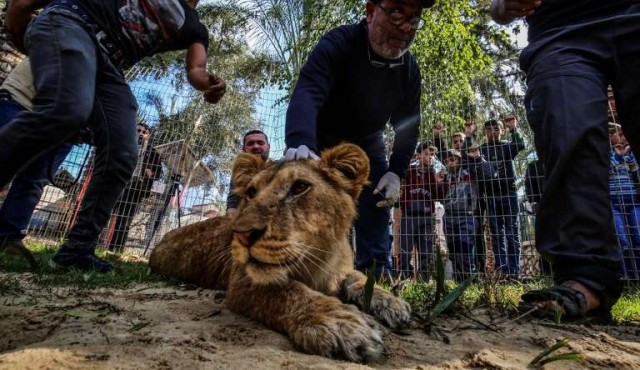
{"x": 379, "y": 63}
{"x": 395, "y": 17}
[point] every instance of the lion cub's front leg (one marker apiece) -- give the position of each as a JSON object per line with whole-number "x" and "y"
{"x": 392, "y": 311}
{"x": 316, "y": 323}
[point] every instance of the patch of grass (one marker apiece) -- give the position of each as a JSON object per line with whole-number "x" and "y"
{"x": 547, "y": 355}
{"x": 506, "y": 296}
{"x": 628, "y": 306}
{"x": 124, "y": 274}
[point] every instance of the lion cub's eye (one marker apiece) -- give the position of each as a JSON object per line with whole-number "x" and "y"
{"x": 251, "y": 192}
{"x": 299, "y": 187}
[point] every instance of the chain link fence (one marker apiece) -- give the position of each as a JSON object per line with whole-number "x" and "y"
{"x": 187, "y": 148}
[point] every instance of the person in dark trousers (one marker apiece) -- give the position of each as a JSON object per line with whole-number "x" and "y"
{"x": 461, "y": 204}
{"x": 78, "y": 49}
{"x": 255, "y": 142}
{"x": 420, "y": 189}
{"x": 358, "y": 78}
{"x": 148, "y": 170}
{"x": 500, "y": 195}
{"x": 576, "y": 49}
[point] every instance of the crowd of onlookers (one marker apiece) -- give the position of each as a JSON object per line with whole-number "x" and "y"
{"x": 485, "y": 198}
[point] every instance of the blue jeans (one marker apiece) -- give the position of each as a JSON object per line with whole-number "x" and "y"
{"x": 77, "y": 86}
{"x": 502, "y": 211}
{"x": 626, "y": 217}
{"x": 416, "y": 230}
{"x": 460, "y": 232}
{"x": 568, "y": 71}
{"x": 372, "y": 223}
{"x": 27, "y": 186}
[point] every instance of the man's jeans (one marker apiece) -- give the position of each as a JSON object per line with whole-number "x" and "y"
{"x": 460, "y": 231}
{"x": 626, "y": 217}
{"x": 26, "y": 188}
{"x": 416, "y": 230}
{"x": 76, "y": 85}
{"x": 502, "y": 211}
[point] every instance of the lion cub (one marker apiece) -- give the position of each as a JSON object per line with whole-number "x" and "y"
{"x": 285, "y": 259}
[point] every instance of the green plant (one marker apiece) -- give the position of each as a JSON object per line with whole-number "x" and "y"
{"x": 545, "y": 356}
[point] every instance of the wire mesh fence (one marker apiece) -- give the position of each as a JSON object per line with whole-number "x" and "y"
{"x": 471, "y": 193}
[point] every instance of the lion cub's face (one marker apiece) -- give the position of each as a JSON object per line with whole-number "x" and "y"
{"x": 293, "y": 216}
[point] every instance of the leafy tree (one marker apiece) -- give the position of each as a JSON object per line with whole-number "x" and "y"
{"x": 467, "y": 62}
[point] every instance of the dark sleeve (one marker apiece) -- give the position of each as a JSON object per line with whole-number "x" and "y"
{"x": 406, "y": 125}
{"x": 314, "y": 85}
{"x": 233, "y": 200}
{"x": 192, "y": 32}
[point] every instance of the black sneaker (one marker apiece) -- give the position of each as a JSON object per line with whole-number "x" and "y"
{"x": 84, "y": 260}
{"x": 16, "y": 247}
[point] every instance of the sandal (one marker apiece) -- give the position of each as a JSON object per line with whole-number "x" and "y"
{"x": 568, "y": 304}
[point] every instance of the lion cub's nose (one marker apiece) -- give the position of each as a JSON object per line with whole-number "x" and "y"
{"x": 248, "y": 238}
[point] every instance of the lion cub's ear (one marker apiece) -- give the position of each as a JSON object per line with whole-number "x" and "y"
{"x": 348, "y": 166}
{"x": 245, "y": 167}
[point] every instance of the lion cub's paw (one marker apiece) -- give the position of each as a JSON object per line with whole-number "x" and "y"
{"x": 392, "y": 311}
{"x": 343, "y": 332}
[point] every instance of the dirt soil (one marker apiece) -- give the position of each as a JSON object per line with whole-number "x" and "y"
{"x": 158, "y": 327}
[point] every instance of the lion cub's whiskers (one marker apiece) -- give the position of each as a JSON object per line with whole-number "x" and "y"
{"x": 312, "y": 258}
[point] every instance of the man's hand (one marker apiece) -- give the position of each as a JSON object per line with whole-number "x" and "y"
{"x": 216, "y": 90}
{"x": 511, "y": 123}
{"x": 437, "y": 129}
{"x": 469, "y": 129}
{"x": 301, "y": 152}
{"x": 505, "y": 11}
{"x": 621, "y": 149}
{"x": 389, "y": 188}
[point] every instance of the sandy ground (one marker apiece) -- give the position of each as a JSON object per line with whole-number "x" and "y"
{"x": 157, "y": 327}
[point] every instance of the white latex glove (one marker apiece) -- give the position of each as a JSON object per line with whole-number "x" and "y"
{"x": 389, "y": 188}
{"x": 301, "y": 152}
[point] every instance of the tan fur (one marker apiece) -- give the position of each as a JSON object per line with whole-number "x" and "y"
{"x": 291, "y": 265}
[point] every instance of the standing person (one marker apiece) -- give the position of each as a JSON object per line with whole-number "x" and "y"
{"x": 460, "y": 141}
{"x": 500, "y": 194}
{"x": 148, "y": 170}
{"x": 625, "y": 201}
{"x": 255, "y": 142}
{"x": 576, "y": 49}
{"x": 461, "y": 203}
{"x": 16, "y": 95}
{"x": 358, "y": 78}
{"x": 78, "y": 49}
{"x": 417, "y": 207}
